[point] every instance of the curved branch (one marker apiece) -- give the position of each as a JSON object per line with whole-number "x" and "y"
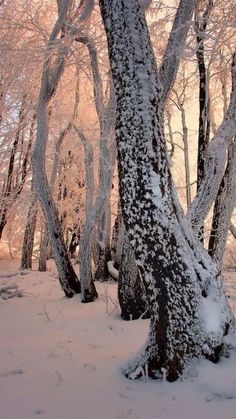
{"x": 175, "y": 46}
{"x": 97, "y": 80}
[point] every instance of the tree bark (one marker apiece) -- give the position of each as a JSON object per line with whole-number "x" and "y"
{"x": 204, "y": 100}
{"x": 223, "y": 208}
{"x": 131, "y": 291}
{"x": 28, "y": 242}
{"x": 102, "y": 272}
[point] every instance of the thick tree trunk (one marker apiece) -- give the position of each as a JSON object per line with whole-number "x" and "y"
{"x": 131, "y": 291}
{"x": 28, "y": 242}
{"x": 180, "y": 278}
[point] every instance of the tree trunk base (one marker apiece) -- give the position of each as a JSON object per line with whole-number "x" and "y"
{"x": 89, "y": 294}
{"x": 71, "y": 286}
{"x": 148, "y": 364}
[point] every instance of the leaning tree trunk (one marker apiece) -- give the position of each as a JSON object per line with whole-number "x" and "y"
{"x": 180, "y": 278}
{"x": 51, "y": 74}
{"x": 131, "y": 291}
{"x": 28, "y": 242}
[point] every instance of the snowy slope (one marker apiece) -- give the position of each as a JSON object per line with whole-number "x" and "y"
{"x": 60, "y": 359}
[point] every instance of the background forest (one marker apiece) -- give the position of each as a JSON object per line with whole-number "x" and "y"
{"x": 79, "y": 108}
{"x": 117, "y": 171}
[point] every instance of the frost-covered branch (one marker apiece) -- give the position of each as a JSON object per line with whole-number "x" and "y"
{"x": 97, "y": 80}
{"x": 175, "y": 46}
{"x": 89, "y": 167}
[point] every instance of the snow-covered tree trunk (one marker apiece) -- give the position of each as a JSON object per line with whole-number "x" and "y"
{"x": 105, "y": 114}
{"x": 45, "y": 249}
{"x": 223, "y": 208}
{"x": 89, "y": 292}
{"x": 28, "y": 241}
{"x": 181, "y": 280}
{"x": 94, "y": 216}
{"x": 51, "y": 74}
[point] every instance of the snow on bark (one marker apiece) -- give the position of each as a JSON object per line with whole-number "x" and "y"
{"x": 112, "y": 270}
{"x": 179, "y": 275}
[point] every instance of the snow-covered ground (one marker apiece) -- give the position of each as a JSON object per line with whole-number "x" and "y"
{"x": 60, "y": 359}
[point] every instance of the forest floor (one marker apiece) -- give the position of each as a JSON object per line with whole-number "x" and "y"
{"x": 61, "y": 359}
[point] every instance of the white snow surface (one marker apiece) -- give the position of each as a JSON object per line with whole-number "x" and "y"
{"x": 61, "y": 359}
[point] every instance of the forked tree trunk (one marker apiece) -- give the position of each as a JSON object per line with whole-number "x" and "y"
{"x": 180, "y": 278}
